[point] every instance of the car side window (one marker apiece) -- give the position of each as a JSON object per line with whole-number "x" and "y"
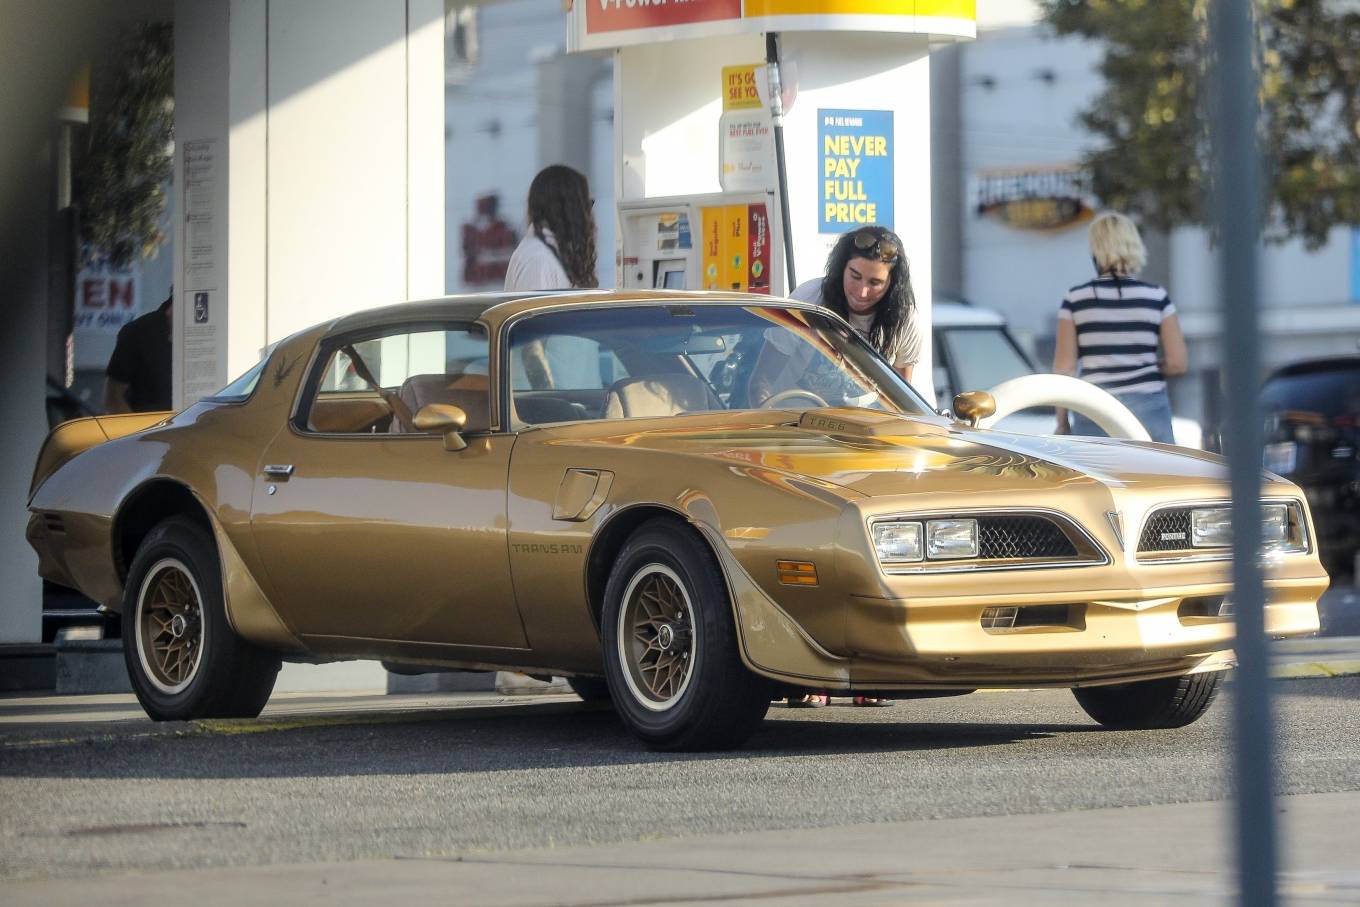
{"x": 376, "y": 385}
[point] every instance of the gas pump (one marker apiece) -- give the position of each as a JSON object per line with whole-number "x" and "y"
{"x": 715, "y": 241}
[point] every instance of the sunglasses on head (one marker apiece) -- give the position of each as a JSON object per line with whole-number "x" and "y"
{"x": 869, "y": 244}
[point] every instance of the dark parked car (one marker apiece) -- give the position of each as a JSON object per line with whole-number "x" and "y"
{"x": 1313, "y": 437}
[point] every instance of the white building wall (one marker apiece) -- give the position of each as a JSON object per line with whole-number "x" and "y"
{"x": 493, "y": 113}
{"x": 328, "y": 123}
{"x": 1013, "y": 116}
{"x": 1020, "y": 94}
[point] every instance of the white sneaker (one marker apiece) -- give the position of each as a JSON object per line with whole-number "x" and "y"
{"x": 513, "y": 683}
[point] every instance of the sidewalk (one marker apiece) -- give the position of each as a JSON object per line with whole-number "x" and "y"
{"x": 1175, "y": 854}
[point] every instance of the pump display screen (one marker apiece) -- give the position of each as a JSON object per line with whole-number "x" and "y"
{"x": 669, "y": 274}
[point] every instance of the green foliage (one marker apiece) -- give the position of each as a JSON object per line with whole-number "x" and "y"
{"x": 1152, "y": 112}
{"x": 120, "y": 179}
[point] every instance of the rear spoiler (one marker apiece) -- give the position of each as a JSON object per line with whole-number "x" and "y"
{"x": 71, "y": 438}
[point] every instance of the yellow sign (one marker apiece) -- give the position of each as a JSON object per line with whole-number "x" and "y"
{"x": 725, "y": 248}
{"x": 739, "y": 87}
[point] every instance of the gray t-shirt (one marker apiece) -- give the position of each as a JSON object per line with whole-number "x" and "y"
{"x": 908, "y": 350}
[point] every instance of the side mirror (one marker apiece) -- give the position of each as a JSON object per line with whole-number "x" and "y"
{"x": 445, "y": 419}
{"x": 974, "y": 406}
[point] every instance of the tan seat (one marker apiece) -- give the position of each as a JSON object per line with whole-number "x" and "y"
{"x": 471, "y": 396}
{"x": 659, "y": 395}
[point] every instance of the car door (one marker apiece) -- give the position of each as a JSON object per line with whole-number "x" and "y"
{"x": 370, "y": 529}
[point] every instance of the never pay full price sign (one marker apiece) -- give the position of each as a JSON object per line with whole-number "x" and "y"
{"x": 855, "y": 180}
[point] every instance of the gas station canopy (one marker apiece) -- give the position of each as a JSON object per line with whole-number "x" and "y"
{"x": 604, "y": 24}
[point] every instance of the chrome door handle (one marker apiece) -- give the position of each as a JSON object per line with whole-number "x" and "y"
{"x": 280, "y": 471}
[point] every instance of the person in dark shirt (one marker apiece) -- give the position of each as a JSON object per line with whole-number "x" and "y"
{"x": 137, "y": 379}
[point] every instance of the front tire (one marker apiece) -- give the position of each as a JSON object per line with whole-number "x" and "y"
{"x": 183, "y": 657}
{"x": 670, "y": 645}
{"x": 593, "y": 690}
{"x": 1151, "y": 704}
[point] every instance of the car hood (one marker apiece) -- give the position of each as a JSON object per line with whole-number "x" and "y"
{"x": 876, "y": 453}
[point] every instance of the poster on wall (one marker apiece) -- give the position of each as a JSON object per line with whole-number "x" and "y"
{"x": 105, "y": 300}
{"x": 201, "y": 367}
{"x": 488, "y": 243}
{"x": 855, "y": 176}
{"x": 746, "y": 137}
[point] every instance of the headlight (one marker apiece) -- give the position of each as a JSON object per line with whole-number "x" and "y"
{"x": 1274, "y": 526}
{"x": 897, "y": 543}
{"x": 947, "y": 539}
{"x": 1211, "y": 527}
{"x": 936, "y": 540}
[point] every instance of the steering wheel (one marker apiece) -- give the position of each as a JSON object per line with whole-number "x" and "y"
{"x": 774, "y": 400}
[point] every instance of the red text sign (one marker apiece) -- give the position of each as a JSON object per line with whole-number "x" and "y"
{"x": 622, "y": 15}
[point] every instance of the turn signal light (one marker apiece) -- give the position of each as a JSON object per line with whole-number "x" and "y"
{"x": 797, "y": 573}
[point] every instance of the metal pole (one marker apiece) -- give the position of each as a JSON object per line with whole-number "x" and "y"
{"x": 1237, "y": 212}
{"x": 777, "y": 120}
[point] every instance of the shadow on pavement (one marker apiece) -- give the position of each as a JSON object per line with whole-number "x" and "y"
{"x": 418, "y": 744}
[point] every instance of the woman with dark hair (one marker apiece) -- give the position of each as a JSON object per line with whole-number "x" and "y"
{"x": 558, "y": 251}
{"x": 868, "y": 283}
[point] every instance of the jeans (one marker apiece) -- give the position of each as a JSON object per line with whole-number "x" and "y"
{"x": 1153, "y": 410}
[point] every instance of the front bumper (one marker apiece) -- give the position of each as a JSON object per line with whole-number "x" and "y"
{"x": 1109, "y": 637}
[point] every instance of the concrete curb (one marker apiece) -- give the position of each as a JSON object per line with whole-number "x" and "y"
{"x": 1316, "y": 656}
{"x": 1316, "y": 669}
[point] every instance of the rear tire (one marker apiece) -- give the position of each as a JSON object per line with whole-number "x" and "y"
{"x": 183, "y": 657}
{"x": 670, "y": 645}
{"x": 1151, "y": 704}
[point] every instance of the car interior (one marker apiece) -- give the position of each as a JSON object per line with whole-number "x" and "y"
{"x": 594, "y": 365}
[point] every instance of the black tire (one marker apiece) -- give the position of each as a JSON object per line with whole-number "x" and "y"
{"x": 708, "y": 699}
{"x": 183, "y": 657}
{"x": 1151, "y": 704}
{"x": 590, "y": 689}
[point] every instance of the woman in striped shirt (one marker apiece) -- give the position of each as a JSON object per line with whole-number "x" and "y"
{"x": 1119, "y": 333}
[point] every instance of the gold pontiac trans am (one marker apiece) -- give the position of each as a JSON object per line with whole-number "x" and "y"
{"x": 686, "y": 503}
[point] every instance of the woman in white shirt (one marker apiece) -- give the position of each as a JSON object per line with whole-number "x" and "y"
{"x": 558, "y": 251}
{"x": 868, "y": 283}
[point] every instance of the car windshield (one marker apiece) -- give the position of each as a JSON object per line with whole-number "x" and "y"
{"x": 663, "y": 360}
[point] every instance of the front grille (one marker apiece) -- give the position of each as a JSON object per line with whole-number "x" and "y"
{"x": 1011, "y": 537}
{"x": 1167, "y": 530}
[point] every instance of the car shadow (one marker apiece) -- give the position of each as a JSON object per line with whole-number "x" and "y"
{"x": 426, "y": 743}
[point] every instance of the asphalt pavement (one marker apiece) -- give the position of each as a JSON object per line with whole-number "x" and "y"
{"x": 480, "y": 799}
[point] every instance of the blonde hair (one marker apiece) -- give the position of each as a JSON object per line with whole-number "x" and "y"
{"x": 1116, "y": 245}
